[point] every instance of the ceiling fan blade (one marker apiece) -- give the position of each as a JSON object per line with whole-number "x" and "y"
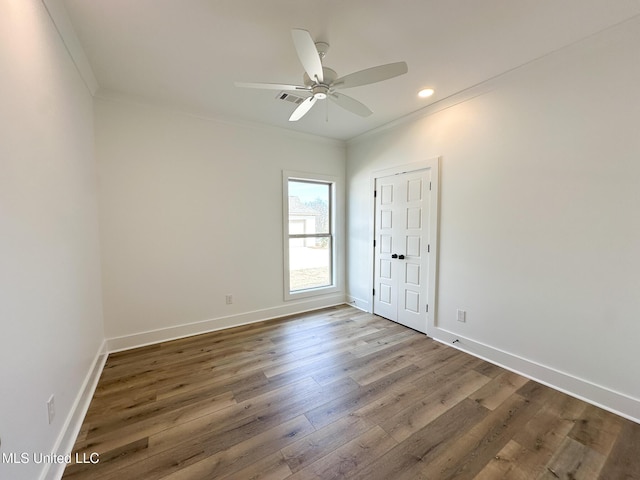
{"x": 351, "y": 104}
{"x": 308, "y": 54}
{"x": 302, "y": 109}
{"x": 371, "y": 75}
{"x": 272, "y": 86}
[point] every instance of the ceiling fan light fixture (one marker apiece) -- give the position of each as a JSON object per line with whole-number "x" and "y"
{"x": 320, "y": 91}
{"x": 426, "y": 92}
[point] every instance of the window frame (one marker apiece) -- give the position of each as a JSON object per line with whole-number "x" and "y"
{"x": 332, "y": 181}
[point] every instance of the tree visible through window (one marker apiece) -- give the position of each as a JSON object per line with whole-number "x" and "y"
{"x": 310, "y": 234}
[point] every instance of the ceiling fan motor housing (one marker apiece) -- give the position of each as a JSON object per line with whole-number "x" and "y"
{"x": 329, "y": 74}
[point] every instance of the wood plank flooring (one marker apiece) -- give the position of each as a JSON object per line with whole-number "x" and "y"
{"x": 338, "y": 393}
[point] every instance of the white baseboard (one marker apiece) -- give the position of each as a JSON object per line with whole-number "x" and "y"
{"x": 73, "y": 422}
{"x": 360, "y": 304}
{"x": 605, "y": 398}
{"x": 150, "y": 337}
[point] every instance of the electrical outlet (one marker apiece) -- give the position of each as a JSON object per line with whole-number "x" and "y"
{"x": 462, "y": 315}
{"x": 51, "y": 408}
{"x": 229, "y": 298}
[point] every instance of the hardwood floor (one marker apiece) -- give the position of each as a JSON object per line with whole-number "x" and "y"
{"x": 338, "y": 393}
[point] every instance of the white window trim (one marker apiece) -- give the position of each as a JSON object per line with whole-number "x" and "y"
{"x": 336, "y": 229}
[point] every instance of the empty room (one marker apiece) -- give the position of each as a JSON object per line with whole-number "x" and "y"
{"x": 357, "y": 239}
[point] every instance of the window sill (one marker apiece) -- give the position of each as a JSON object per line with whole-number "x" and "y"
{"x": 311, "y": 292}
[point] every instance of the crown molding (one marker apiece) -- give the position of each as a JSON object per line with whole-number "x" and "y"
{"x": 62, "y": 22}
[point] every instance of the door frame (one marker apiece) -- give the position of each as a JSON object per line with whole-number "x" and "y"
{"x": 433, "y": 165}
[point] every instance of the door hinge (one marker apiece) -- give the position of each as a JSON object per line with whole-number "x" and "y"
{"x": 374, "y": 291}
{"x": 375, "y": 193}
{"x": 428, "y": 248}
{"x": 374, "y": 243}
{"x": 429, "y": 185}
{"x": 427, "y": 308}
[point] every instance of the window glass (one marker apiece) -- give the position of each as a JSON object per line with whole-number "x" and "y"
{"x": 310, "y": 242}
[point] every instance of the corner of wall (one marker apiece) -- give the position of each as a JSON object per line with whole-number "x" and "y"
{"x": 358, "y": 303}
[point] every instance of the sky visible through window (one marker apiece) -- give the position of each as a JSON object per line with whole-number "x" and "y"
{"x": 308, "y": 192}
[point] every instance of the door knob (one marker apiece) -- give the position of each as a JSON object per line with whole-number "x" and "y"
{"x": 395, "y": 255}
{"x": 401, "y": 257}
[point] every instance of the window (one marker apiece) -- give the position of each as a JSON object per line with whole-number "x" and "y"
{"x": 309, "y": 235}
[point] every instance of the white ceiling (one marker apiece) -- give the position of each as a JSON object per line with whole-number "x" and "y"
{"x": 186, "y": 54}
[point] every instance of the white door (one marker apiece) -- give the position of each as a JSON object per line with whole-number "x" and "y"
{"x": 401, "y": 250}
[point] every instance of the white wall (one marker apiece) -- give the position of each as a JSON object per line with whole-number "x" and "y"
{"x": 540, "y": 233}
{"x": 50, "y": 293}
{"x": 191, "y": 210}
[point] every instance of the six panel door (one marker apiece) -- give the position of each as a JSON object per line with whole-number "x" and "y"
{"x": 402, "y": 248}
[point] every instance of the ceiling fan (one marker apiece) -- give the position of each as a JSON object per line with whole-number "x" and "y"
{"x": 322, "y": 82}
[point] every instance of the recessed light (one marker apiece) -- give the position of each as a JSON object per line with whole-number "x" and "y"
{"x": 426, "y": 92}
